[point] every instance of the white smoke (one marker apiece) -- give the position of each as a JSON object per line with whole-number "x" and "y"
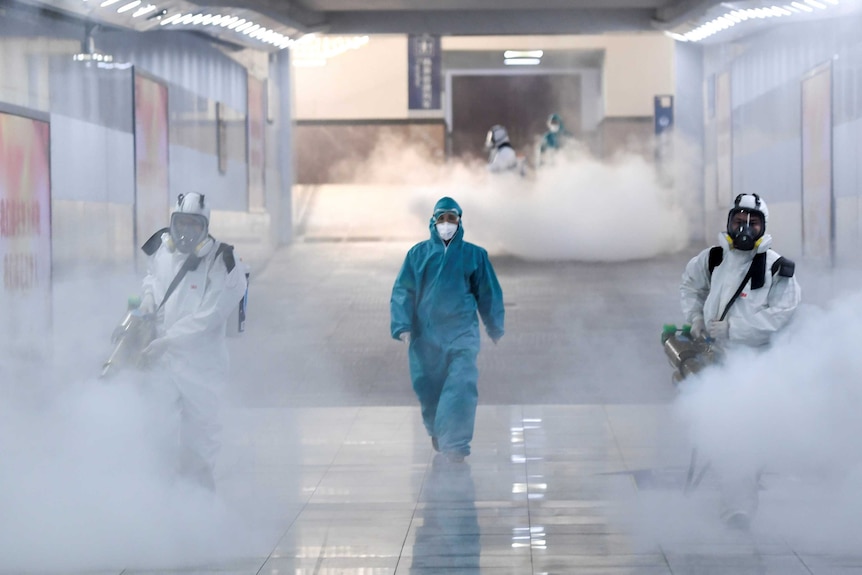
{"x": 790, "y": 412}
{"x": 575, "y": 207}
{"x": 88, "y": 482}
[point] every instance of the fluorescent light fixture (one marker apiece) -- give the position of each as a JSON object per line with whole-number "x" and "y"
{"x": 108, "y": 3}
{"x": 170, "y": 19}
{"x": 522, "y": 61}
{"x": 523, "y": 54}
{"x": 128, "y": 6}
{"x": 144, "y": 10}
{"x": 236, "y": 23}
{"x": 803, "y": 7}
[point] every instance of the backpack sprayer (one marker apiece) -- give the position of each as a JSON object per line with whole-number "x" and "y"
{"x": 130, "y": 338}
{"x": 688, "y": 355}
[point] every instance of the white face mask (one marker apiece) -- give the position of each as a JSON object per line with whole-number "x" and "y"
{"x": 447, "y": 230}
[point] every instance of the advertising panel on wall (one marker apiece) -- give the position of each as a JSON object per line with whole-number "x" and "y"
{"x": 256, "y": 151}
{"x": 25, "y": 227}
{"x": 817, "y": 201}
{"x": 152, "y": 204}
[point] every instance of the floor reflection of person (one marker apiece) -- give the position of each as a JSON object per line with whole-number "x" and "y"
{"x": 448, "y": 536}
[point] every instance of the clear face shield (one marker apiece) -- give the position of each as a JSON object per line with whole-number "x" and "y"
{"x": 489, "y": 140}
{"x": 187, "y": 231}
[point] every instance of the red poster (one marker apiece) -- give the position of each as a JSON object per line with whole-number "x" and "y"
{"x": 25, "y": 225}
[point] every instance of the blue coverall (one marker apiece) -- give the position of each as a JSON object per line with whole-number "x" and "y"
{"x": 435, "y": 298}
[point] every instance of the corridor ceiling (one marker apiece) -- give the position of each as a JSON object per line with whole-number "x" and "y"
{"x": 474, "y": 17}
{"x": 276, "y": 24}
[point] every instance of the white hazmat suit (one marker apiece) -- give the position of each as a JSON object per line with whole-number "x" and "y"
{"x": 756, "y": 314}
{"x": 759, "y": 287}
{"x": 502, "y": 155}
{"x": 190, "y": 351}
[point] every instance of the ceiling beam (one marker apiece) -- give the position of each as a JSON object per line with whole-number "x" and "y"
{"x": 678, "y": 12}
{"x": 489, "y": 22}
{"x": 288, "y": 13}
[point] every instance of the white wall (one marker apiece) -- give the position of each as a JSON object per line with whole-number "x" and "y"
{"x": 371, "y": 82}
{"x": 92, "y": 193}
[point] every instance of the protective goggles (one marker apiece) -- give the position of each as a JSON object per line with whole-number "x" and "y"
{"x": 447, "y": 217}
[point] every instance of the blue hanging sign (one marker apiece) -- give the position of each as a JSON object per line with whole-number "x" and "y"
{"x": 423, "y": 61}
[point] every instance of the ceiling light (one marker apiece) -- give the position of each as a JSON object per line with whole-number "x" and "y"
{"x": 144, "y": 10}
{"x": 108, "y": 3}
{"x": 128, "y": 6}
{"x": 522, "y": 61}
{"x": 523, "y": 54}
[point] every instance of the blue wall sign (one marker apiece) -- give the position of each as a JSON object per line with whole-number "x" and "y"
{"x": 423, "y": 61}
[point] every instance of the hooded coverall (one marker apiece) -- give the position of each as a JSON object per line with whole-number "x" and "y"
{"x": 195, "y": 359}
{"x": 435, "y": 298}
{"x": 752, "y": 319}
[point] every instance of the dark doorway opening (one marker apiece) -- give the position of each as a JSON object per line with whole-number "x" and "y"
{"x": 519, "y": 102}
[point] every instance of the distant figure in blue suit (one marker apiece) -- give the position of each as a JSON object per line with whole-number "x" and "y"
{"x": 443, "y": 283}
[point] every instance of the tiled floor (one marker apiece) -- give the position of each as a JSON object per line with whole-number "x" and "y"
{"x": 326, "y": 469}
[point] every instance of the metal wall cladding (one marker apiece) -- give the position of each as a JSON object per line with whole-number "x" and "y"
{"x": 94, "y": 94}
{"x": 182, "y": 60}
{"x": 766, "y": 72}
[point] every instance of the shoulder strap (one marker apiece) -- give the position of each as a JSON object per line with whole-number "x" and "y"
{"x": 226, "y": 252}
{"x": 784, "y": 267}
{"x": 151, "y": 245}
{"x": 191, "y": 263}
{"x": 716, "y": 254}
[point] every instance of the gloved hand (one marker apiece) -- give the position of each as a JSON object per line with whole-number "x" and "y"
{"x": 148, "y": 304}
{"x": 404, "y": 336}
{"x": 154, "y": 351}
{"x": 698, "y": 328}
{"x": 719, "y": 329}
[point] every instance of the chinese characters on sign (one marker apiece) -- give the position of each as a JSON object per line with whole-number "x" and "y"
{"x": 423, "y": 61}
{"x": 25, "y": 230}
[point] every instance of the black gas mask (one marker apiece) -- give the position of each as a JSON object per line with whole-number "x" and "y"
{"x": 745, "y": 227}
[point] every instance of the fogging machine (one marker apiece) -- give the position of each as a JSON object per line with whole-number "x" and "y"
{"x": 687, "y": 354}
{"x": 130, "y": 338}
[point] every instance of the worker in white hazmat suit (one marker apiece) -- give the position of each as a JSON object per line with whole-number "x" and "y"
{"x": 189, "y": 355}
{"x": 740, "y": 293}
{"x": 502, "y": 156}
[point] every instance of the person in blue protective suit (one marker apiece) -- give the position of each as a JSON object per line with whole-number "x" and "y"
{"x": 552, "y": 140}
{"x": 442, "y": 285}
